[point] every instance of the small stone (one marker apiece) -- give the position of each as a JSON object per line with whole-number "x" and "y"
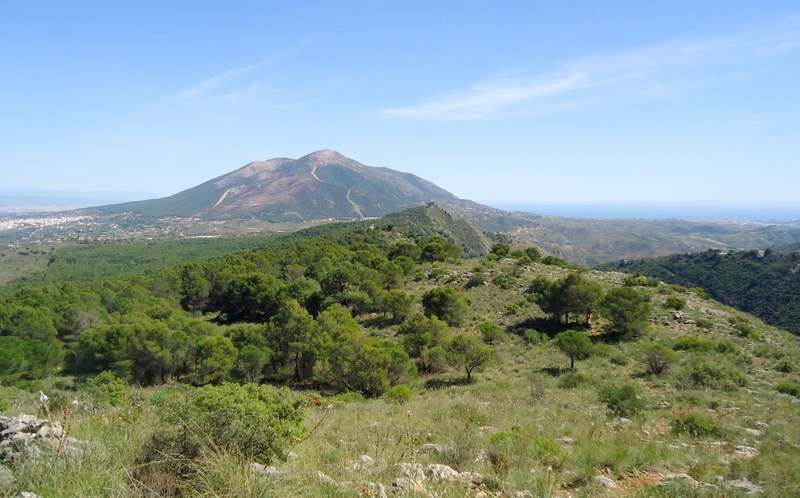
{"x": 745, "y": 485}
{"x": 567, "y": 440}
{"x": 412, "y": 471}
{"x": 53, "y": 431}
{"x": 264, "y": 470}
{"x": 754, "y": 432}
{"x": 746, "y": 451}
{"x": 326, "y": 479}
{"x": 681, "y": 478}
{"x": 605, "y": 482}
{"x": 441, "y": 472}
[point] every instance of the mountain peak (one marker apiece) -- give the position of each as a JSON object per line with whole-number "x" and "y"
{"x": 323, "y": 185}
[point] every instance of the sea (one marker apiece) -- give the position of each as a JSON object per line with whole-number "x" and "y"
{"x": 778, "y": 213}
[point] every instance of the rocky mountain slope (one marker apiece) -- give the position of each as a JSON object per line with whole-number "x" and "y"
{"x": 322, "y": 185}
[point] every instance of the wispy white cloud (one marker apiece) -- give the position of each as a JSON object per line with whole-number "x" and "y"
{"x": 654, "y": 70}
{"x": 211, "y": 84}
{"x": 215, "y": 82}
{"x": 235, "y": 95}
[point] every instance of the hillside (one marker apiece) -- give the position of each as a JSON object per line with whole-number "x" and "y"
{"x": 764, "y": 283}
{"x": 327, "y": 186}
{"x": 360, "y": 359}
{"x": 94, "y": 261}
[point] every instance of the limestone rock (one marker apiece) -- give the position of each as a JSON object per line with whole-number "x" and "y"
{"x": 745, "y": 485}
{"x": 6, "y": 480}
{"x": 605, "y": 482}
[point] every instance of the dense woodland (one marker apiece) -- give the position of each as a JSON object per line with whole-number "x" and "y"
{"x": 291, "y": 312}
{"x": 763, "y": 283}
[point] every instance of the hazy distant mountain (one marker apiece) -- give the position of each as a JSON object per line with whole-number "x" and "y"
{"x": 17, "y": 201}
{"x": 320, "y": 186}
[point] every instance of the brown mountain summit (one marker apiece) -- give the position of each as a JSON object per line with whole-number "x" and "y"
{"x": 321, "y": 185}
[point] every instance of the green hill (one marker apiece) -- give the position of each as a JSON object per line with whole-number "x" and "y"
{"x": 764, "y": 283}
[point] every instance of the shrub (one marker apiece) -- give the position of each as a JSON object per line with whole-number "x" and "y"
{"x": 790, "y": 388}
{"x": 106, "y": 389}
{"x": 475, "y": 280}
{"x": 251, "y": 421}
{"x": 704, "y": 374}
{"x": 504, "y": 281}
{"x": 658, "y": 358}
{"x": 619, "y": 358}
{"x": 785, "y": 366}
{"x": 743, "y": 328}
{"x": 675, "y": 303}
{"x": 696, "y": 424}
{"x": 400, "y": 394}
{"x": 532, "y": 337}
{"x": 689, "y": 343}
{"x": 727, "y": 346}
{"x": 622, "y": 400}
{"x": 572, "y": 379}
{"x": 603, "y": 350}
{"x": 491, "y": 332}
{"x": 700, "y": 292}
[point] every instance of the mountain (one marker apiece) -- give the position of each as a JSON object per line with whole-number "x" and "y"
{"x": 324, "y": 185}
{"x": 285, "y": 194}
{"x": 19, "y": 201}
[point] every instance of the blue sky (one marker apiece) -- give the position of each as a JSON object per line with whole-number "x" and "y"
{"x": 517, "y": 102}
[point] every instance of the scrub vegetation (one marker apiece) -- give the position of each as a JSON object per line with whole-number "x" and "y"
{"x": 354, "y": 359}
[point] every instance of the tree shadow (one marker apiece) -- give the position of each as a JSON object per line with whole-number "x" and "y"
{"x": 554, "y": 371}
{"x": 442, "y": 383}
{"x": 546, "y": 326}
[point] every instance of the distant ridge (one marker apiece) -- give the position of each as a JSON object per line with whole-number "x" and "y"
{"x": 324, "y": 185}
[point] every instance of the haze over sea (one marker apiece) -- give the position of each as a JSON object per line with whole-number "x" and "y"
{"x": 763, "y": 212}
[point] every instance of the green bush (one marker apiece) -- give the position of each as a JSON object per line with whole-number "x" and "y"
{"x": 689, "y": 343}
{"x": 675, "y": 303}
{"x": 702, "y": 374}
{"x": 603, "y": 350}
{"x": 700, "y": 292}
{"x": 106, "y": 389}
{"x": 400, "y": 394}
{"x": 477, "y": 279}
{"x": 790, "y": 388}
{"x": 572, "y": 379}
{"x": 727, "y": 346}
{"x": 622, "y": 400}
{"x": 619, "y": 358}
{"x": 743, "y": 327}
{"x": 504, "y": 281}
{"x": 696, "y": 424}
{"x": 786, "y": 366}
{"x": 658, "y": 358}
{"x": 256, "y": 423}
{"x": 532, "y": 337}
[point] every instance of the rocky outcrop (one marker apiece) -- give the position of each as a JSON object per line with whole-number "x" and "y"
{"x": 26, "y": 436}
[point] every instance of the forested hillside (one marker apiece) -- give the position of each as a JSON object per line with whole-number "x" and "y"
{"x": 352, "y": 359}
{"x": 764, "y": 283}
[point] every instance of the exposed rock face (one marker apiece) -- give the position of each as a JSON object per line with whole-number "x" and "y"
{"x": 31, "y": 437}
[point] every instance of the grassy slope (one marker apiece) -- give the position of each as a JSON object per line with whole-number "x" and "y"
{"x": 517, "y": 397}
